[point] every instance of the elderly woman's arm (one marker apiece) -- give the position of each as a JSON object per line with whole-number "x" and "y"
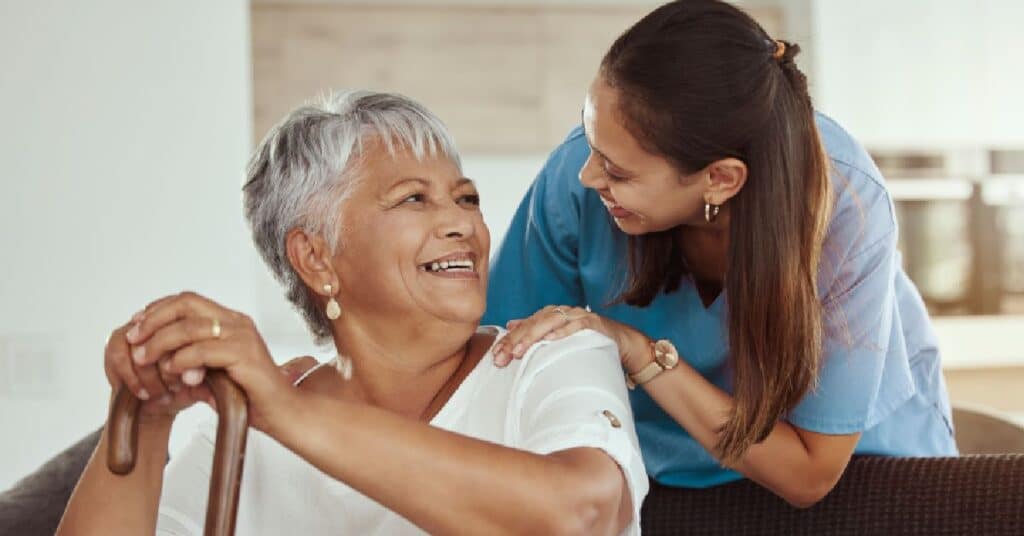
{"x": 448, "y": 483}
{"x": 105, "y": 503}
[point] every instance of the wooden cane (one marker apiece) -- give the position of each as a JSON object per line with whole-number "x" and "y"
{"x": 229, "y": 450}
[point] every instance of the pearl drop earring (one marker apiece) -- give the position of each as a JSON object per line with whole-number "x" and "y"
{"x": 333, "y": 310}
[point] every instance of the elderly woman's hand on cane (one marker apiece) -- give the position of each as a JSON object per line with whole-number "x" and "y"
{"x": 164, "y": 394}
{"x": 184, "y": 334}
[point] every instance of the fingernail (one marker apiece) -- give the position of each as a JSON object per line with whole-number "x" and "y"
{"x": 517, "y": 350}
{"x": 132, "y": 333}
{"x": 174, "y": 387}
{"x": 137, "y": 317}
{"x": 143, "y": 394}
{"x": 139, "y": 354}
{"x": 192, "y": 377}
{"x": 164, "y": 400}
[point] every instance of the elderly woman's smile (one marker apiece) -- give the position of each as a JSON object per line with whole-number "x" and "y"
{"x": 457, "y": 265}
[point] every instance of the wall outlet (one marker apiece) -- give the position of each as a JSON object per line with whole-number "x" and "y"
{"x": 28, "y": 366}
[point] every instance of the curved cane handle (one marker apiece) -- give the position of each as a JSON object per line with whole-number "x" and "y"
{"x": 232, "y": 430}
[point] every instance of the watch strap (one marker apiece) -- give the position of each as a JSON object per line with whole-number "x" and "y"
{"x": 644, "y": 375}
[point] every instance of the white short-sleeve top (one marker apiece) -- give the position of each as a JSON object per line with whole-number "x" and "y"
{"x": 561, "y": 395}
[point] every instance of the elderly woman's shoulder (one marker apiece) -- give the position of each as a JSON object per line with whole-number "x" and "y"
{"x": 585, "y": 348}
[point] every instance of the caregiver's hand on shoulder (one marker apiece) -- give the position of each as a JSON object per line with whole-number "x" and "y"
{"x": 559, "y": 321}
{"x": 186, "y": 333}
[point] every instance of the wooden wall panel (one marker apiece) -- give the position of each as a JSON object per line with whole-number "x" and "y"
{"x": 576, "y": 40}
{"x": 575, "y": 44}
{"x": 480, "y": 77}
{"x": 504, "y": 79}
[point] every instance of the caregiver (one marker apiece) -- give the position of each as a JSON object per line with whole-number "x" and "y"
{"x": 705, "y": 206}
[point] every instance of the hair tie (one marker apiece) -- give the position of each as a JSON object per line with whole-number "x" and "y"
{"x": 780, "y": 50}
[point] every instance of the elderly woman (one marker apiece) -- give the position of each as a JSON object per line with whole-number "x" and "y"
{"x": 360, "y": 209}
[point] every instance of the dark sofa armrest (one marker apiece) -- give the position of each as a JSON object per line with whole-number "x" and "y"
{"x": 876, "y": 495}
{"x": 36, "y": 503}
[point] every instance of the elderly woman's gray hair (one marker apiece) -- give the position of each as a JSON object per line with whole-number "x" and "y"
{"x": 308, "y": 164}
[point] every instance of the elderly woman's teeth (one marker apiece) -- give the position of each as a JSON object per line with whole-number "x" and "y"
{"x": 451, "y": 266}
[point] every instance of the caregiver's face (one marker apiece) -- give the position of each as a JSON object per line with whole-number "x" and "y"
{"x": 643, "y": 192}
{"x": 413, "y": 242}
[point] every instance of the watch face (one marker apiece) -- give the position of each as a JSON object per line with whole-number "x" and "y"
{"x": 666, "y": 354}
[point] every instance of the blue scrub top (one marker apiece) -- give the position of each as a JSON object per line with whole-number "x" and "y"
{"x": 880, "y": 373}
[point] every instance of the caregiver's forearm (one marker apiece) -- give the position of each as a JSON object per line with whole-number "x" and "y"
{"x": 448, "y": 483}
{"x": 105, "y": 503}
{"x": 799, "y": 466}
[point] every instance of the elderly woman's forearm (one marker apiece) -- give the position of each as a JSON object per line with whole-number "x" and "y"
{"x": 105, "y": 503}
{"x": 445, "y": 482}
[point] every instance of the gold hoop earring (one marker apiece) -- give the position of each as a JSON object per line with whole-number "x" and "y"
{"x": 711, "y": 211}
{"x": 333, "y": 310}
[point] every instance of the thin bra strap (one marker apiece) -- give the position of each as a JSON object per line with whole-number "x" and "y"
{"x": 312, "y": 370}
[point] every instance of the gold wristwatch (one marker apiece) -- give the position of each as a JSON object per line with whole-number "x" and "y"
{"x": 666, "y": 357}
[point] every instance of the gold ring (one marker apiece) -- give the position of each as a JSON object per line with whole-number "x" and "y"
{"x": 562, "y": 312}
{"x": 215, "y": 329}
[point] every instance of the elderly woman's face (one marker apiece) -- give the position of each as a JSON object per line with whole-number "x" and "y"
{"x": 413, "y": 242}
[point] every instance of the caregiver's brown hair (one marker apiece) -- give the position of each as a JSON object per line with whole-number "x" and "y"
{"x": 700, "y": 81}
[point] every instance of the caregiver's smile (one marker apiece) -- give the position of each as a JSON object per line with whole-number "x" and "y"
{"x": 616, "y": 210}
